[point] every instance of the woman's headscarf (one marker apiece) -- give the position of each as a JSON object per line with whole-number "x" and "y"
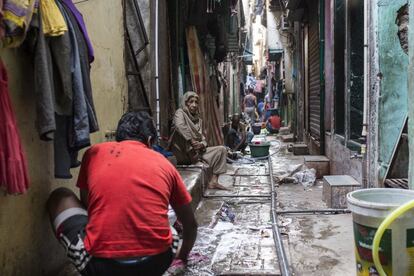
{"x": 186, "y": 97}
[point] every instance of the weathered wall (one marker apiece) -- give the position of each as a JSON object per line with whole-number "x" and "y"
{"x": 27, "y": 245}
{"x": 340, "y": 158}
{"x": 273, "y": 35}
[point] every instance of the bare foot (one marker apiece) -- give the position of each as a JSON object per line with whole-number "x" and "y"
{"x": 217, "y": 186}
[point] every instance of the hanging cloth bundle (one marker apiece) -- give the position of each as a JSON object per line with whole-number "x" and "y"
{"x": 13, "y": 167}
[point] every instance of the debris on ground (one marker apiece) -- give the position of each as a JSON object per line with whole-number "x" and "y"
{"x": 306, "y": 177}
{"x": 226, "y": 214}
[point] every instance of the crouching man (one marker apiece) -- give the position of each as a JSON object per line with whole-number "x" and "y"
{"x": 120, "y": 224}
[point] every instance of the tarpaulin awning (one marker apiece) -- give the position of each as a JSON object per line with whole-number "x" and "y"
{"x": 275, "y": 54}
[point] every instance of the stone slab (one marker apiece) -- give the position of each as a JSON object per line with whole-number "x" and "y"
{"x": 335, "y": 189}
{"x": 284, "y": 130}
{"x": 319, "y": 163}
{"x": 300, "y": 149}
{"x": 195, "y": 179}
{"x": 287, "y": 138}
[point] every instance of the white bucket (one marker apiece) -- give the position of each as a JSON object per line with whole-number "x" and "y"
{"x": 369, "y": 208}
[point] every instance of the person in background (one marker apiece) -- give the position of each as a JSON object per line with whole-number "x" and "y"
{"x": 273, "y": 122}
{"x": 249, "y": 105}
{"x": 261, "y": 109}
{"x": 188, "y": 143}
{"x": 120, "y": 224}
{"x": 237, "y": 137}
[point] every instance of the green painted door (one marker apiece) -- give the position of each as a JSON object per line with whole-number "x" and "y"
{"x": 393, "y": 63}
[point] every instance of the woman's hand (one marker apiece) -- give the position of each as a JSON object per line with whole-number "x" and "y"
{"x": 197, "y": 145}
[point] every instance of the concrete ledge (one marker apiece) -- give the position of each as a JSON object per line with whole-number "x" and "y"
{"x": 335, "y": 189}
{"x": 287, "y": 138}
{"x": 284, "y": 130}
{"x": 195, "y": 178}
{"x": 318, "y": 162}
{"x": 300, "y": 149}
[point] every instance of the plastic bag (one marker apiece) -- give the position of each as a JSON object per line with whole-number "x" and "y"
{"x": 306, "y": 177}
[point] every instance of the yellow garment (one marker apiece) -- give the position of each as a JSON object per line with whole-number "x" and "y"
{"x": 53, "y": 22}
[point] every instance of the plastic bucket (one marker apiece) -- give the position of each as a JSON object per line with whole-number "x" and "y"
{"x": 369, "y": 208}
{"x": 259, "y": 150}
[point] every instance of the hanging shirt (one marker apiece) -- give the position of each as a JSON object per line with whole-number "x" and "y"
{"x": 82, "y": 26}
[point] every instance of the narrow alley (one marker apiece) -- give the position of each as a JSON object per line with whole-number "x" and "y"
{"x": 206, "y": 137}
{"x": 235, "y": 227}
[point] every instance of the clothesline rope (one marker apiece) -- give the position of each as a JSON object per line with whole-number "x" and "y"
{"x": 81, "y": 1}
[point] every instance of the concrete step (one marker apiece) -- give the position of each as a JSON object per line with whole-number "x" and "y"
{"x": 284, "y": 130}
{"x": 289, "y": 138}
{"x": 318, "y": 162}
{"x": 300, "y": 149}
{"x": 335, "y": 189}
{"x": 195, "y": 178}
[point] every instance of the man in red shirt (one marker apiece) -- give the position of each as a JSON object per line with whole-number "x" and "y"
{"x": 126, "y": 188}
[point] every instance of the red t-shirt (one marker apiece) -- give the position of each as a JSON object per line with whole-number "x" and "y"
{"x": 130, "y": 187}
{"x": 274, "y": 122}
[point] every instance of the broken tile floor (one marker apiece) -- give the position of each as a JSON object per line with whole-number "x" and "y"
{"x": 315, "y": 244}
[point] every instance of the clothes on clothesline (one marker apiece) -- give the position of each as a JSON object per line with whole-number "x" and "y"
{"x": 82, "y": 26}
{"x": 65, "y": 108}
{"x": 13, "y": 167}
{"x": 52, "y": 19}
{"x": 17, "y": 15}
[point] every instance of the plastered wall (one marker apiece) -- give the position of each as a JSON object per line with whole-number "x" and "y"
{"x": 27, "y": 244}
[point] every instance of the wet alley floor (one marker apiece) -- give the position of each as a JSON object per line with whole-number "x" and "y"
{"x": 315, "y": 244}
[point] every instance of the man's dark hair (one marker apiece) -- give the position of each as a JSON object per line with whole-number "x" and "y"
{"x": 137, "y": 126}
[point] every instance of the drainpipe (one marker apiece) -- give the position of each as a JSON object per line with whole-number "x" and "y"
{"x": 366, "y": 97}
{"x": 322, "y": 73}
{"x": 157, "y": 79}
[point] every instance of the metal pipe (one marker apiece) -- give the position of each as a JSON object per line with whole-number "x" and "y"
{"x": 316, "y": 211}
{"x": 366, "y": 70}
{"x": 322, "y": 74}
{"x": 157, "y": 79}
{"x": 364, "y": 133}
{"x": 236, "y": 196}
{"x": 280, "y": 250}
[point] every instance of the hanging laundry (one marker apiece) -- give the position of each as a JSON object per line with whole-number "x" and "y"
{"x": 2, "y": 27}
{"x": 52, "y": 76}
{"x": 85, "y": 67}
{"x": 13, "y": 167}
{"x": 72, "y": 132}
{"x": 52, "y": 19}
{"x": 82, "y": 26}
{"x": 80, "y": 122}
{"x": 17, "y": 15}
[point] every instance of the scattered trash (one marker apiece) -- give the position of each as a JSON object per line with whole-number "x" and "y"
{"x": 195, "y": 258}
{"x": 306, "y": 177}
{"x": 285, "y": 221}
{"x": 264, "y": 233}
{"x": 290, "y": 172}
{"x": 226, "y": 214}
{"x": 176, "y": 268}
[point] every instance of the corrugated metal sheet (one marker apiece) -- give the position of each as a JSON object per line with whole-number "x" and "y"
{"x": 314, "y": 77}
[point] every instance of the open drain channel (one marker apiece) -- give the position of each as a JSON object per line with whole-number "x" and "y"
{"x": 277, "y": 237}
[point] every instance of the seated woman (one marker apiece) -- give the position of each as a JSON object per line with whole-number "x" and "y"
{"x": 189, "y": 144}
{"x": 237, "y": 137}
